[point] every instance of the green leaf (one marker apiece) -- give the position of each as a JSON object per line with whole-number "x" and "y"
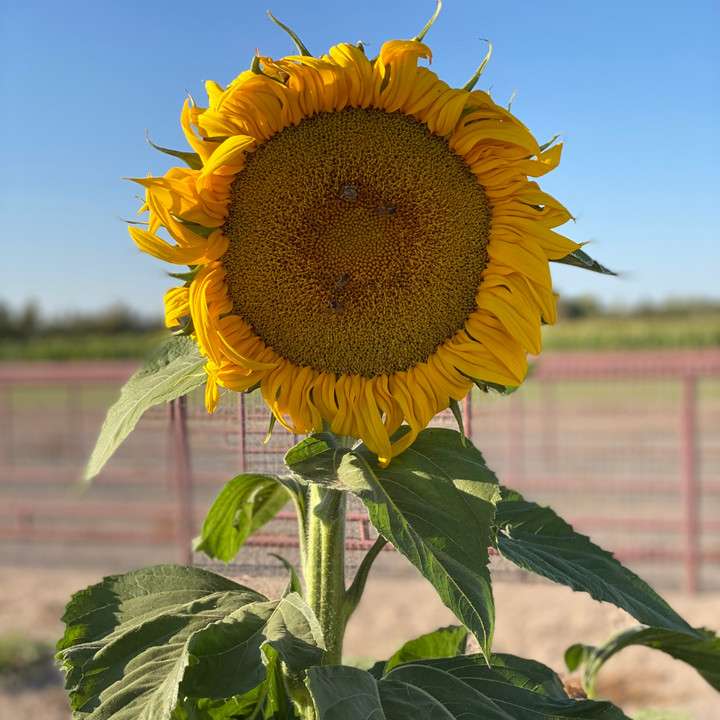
{"x": 298, "y": 490}
{"x": 520, "y": 689}
{"x": 243, "y": 506}
{"x": 536, "y": 539}
{"x": 124, "y": 648}
{"x": 225, "y": 658}
{"x": 315, "y": 457}
{"x": 445, "y": 642}
{"x": 435, "y": 503}
{"x": 581, "y": 259}
{"x": 461, "y": 687}
{"x": 700, "y": 649}
{"x": 191, "y": 159}
{"x": 341, "y": 692}
{"x": 173, "y": 372}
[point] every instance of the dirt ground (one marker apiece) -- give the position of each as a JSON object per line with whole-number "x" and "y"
{"x": 534, "y": 619}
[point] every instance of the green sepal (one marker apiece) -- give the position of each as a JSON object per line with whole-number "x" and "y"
{"x": 549, "y": 142}
{"x": 485, "y": 386}
{"x": 419, "y": 37}
{"x": 579, "y": 258}
{"x": 186, "y": 330}
{"x": 457, "y": 412}
{"x": 188, "y": 276}
{"x": 252, "y": 389}
{"x": 302, "y": 50}
{"x": 200, "y": 230}
{"x": 294, "y": 585}
{"x": 191, "y": 159}
{"x": 132, "y": 222}
{"x": 271, "y": 427}
{"x": 470, "y": 84}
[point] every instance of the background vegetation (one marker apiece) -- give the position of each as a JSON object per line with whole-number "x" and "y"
{"x": 584, "y": 324}
{"x": 112, "y": 333}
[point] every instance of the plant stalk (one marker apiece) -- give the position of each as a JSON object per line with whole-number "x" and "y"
{"x": 325, "y": 566}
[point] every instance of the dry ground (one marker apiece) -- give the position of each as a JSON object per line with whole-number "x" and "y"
{"x": 534, "y": 619}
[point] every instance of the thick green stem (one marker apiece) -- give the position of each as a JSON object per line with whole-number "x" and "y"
{"x": 325, "y": 566}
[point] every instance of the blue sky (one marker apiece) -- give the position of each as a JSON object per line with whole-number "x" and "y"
{"x": 633, "y": 86}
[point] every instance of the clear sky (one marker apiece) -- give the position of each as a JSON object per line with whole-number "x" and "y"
{"x": 633, "y": 85}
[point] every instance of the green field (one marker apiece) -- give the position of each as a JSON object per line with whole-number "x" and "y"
{"x": 634, "y": 332}
{"x": 598, "y": 332}
{"x": 83, "y": 347}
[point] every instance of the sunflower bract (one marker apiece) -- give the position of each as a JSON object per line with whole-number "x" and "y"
{"x": 368, "y": 241}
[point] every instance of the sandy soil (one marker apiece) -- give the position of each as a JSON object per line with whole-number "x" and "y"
{"x": 534, "y": 619}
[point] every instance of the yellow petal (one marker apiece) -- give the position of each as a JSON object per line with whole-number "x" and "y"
{"x": 227, "y": 153}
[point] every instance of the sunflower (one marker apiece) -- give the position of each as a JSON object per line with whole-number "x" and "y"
{"x": 363, "y": 240}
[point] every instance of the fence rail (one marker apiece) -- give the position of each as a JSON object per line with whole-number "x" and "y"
{"x": 626, "y": 443}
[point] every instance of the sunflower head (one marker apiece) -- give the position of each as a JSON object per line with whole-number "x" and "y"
{"x": 363, "y": 240}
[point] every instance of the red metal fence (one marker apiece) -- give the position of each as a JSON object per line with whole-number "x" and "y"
{"x": 624, "y": 445}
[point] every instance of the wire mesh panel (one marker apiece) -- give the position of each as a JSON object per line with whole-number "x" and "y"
{"x": 626, "y": 446}
{"x": 51, "y": 415}
{"x": 623, "y": 446}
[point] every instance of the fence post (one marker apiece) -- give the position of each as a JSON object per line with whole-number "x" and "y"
{"x": 514, "y": 441}
{"x": 548, "y": 431}
{"x": 74, "y": 426}
{"x": 6, "y": 425}
{"x": 182, "y": 481}
{"x": 690, "y": 488}
{"x": 241, "y": 432}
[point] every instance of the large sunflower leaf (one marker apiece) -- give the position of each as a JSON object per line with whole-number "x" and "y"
{"x": 342, "y": 692}
{"x": 462, "y": 687}
{"x": 173, "y": 372}
{"x": 279, "y": 705}
{"x": 225, "y": 657}
{"x": 445, "y": 642}
{"x": 227, "y": 709}
{"x": 579, "y": 258}
{"x": 535, "y": 538}
{"x": 124, "y": 648}
{"x": 435, "y": 503}
{"x": 701, "y": 650}
{"x": 243, "y": 506}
